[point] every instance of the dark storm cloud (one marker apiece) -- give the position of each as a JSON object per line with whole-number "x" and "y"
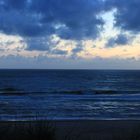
{"x": 20, "y": 23}
{"x": 39, "y": 43}
{"x": 77, "y": 50}
{"x": 36, "y": 44}
{"x": 127, "y": 15}
{"x": 121, "y": 39}
{"x": 59, "y": 52}
{"x": 69, "y": 19}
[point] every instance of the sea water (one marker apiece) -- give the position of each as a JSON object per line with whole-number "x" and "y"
{"x": 69, "y": 94}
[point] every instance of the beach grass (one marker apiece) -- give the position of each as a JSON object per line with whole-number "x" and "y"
{"x": 37, "y": 130}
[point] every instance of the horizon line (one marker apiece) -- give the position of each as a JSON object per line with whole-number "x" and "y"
{"x": 61, "y": 69}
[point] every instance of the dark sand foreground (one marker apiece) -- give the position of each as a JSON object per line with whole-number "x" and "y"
{"x": 70, "y": 130}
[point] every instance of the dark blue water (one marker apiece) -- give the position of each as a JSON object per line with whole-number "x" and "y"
{"x": 69, "y": 94}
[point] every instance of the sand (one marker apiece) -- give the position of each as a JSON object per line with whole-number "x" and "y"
{"x": 98, "y": 130}
{"x": 79, "y": 129}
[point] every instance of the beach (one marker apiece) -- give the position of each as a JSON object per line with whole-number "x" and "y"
{"x": 69, "y": 105}
{"x": 71, "y": 130}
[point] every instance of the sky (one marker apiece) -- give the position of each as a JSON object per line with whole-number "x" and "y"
{"x": 70, "y": 34}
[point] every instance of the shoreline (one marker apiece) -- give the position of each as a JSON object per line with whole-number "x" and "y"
{"x": 72, "y": 120}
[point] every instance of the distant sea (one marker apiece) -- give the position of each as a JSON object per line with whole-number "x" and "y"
{"x": 69, "y": 94}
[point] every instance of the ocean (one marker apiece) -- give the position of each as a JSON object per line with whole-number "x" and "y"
{"x": 69, "y": 95}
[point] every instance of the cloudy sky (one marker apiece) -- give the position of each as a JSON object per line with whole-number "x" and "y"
{"x": 64, "y": 34}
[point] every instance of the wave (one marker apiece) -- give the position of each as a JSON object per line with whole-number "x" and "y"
{"x": 14, "y": 91}
{"x": 95, "y": 92}
{"x": 11, "y": 91}
{"x": 18, "y": 92}
{"x": 79, "y": 92}
{"x": 106, "y": 91}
